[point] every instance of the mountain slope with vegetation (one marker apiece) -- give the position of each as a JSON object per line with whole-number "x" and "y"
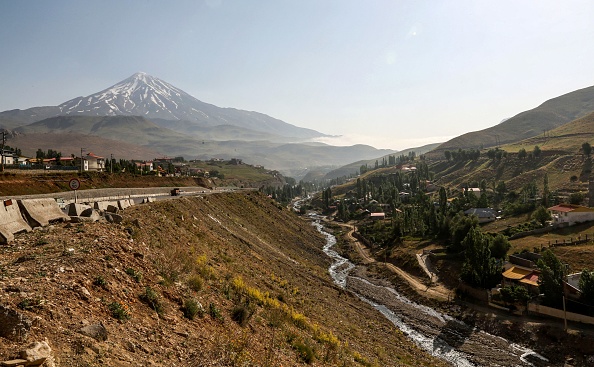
{"x": 226, "y": 279}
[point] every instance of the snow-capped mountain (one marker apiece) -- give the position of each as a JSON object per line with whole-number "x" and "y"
{"x": 153, "y": 98}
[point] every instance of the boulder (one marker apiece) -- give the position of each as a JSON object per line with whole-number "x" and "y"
{"x": 92, "y": 216}
{"x": 112, "y": 209}
{"x": 36, "y": 353}
{"x": 95, "y": 331}
{"x": 13, "y": 325}
{"x": 113, "y": 218}
{"x": 14, "y": 363}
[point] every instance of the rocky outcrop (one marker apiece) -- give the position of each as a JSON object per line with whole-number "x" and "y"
{"x": 13, "y": 325}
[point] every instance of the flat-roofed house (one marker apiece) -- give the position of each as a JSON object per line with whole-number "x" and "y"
{"x": 570, "y": 214}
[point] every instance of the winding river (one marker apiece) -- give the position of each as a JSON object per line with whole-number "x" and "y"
{"x": 437, "y": 333}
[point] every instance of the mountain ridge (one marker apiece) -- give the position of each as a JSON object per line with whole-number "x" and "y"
{"x": 548, "y": 115}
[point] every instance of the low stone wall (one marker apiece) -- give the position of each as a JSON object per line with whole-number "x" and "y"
{"x": 554, "y": 312}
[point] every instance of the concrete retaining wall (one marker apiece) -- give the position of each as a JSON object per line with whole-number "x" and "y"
{"x": 40, "y": 212}
{"x": 11, "y": 220}
{"x": 554, "y": 312}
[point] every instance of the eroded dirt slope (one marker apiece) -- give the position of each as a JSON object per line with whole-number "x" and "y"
{"x": 251, "y": 273}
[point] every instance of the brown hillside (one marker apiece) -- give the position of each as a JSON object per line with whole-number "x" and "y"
{"x": 549, "y": 115}
{"x": 257, "y": 270}
{"x": 567, "y": 138}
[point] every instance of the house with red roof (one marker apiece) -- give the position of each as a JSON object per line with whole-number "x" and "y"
{"x": 570, "y": 214}
{"x": 92, "y": 162}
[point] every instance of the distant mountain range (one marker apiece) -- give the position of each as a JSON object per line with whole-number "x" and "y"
{"x": 148, "y": 112}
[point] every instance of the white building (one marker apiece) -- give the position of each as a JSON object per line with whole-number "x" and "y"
{"x": 571, "y": 214}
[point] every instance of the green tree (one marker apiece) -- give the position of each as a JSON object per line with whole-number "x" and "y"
{"x": 576, "y": 198}
{"x": 459, "y": 229}
{"x": 586, "y": 285}
{"x": 483, "y": 201}
{"x": 522, "y": 153}
{"x": 550, "y": 280}
{"x": 443, "y": 200}
{"x": 479, "y": 268}
{"x": 587, "y": 149}
{"x": 536, "y": 152}
{"x": 515, "y": 294}
{"x": 448, "y": 155}
{"x": 541, "y": 215}
{"x": 500, "y": 190}
{"x": 499, "y": 246}
{"x": 546, "y": 193}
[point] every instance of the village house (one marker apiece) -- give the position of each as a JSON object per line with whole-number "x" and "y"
{"x": 8, "y": 157}
{"x": 474, "y": 190}
{"x": 570, "y": 214}
{"x": 91, "y": 162}
{"x": 377, "y": 216}
{"x": 519, "y": 275}
{"x": 521, "y": 270}
{"x": 484, "y": 215}
{"x": 571, "y": 286}
{"x": 145, "y": 166}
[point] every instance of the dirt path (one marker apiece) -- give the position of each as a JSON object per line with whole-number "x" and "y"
{"x": 433, "y": 290}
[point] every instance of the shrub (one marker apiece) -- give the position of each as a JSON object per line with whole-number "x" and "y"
{"x": 196, "y": 283}
{"x": 119, "y": 311}
{"x": 241, "y": 314}
{"x": 100, "y": 282}
{"x": 299, "y": 320}
{"x": 191, "y": 308}
{"x": 29, "y": 304}
{"x": 152, "y": 299}
{"x": 136, "y": 275}
{"x": 214, "y": 312}
{"x": 304, "y": 351}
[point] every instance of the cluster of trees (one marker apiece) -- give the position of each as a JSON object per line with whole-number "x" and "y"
{"x": 536, "y": 152}
{"x": 284, "y": 194}
{"x": 462, "y": 155}
{"x": 49, "y": 154}
{"x": 391, "y": 161}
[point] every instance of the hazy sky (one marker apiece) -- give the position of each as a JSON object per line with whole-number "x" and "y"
{"x": 392, "y": 74}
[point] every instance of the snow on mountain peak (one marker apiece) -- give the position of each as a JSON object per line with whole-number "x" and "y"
{"x": 141, "y": 94}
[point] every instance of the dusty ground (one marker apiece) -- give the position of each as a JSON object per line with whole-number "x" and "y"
{"x": 256, "y": 269}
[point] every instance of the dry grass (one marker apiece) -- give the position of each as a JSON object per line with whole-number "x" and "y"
{"x": 578, "y": 257}
{"x": 246, "y": 252}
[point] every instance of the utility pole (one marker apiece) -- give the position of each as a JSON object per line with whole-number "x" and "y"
{"x": 81, "y": 159}
{"x": 2, "y": 151}
{"x": 564, "y": 314}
